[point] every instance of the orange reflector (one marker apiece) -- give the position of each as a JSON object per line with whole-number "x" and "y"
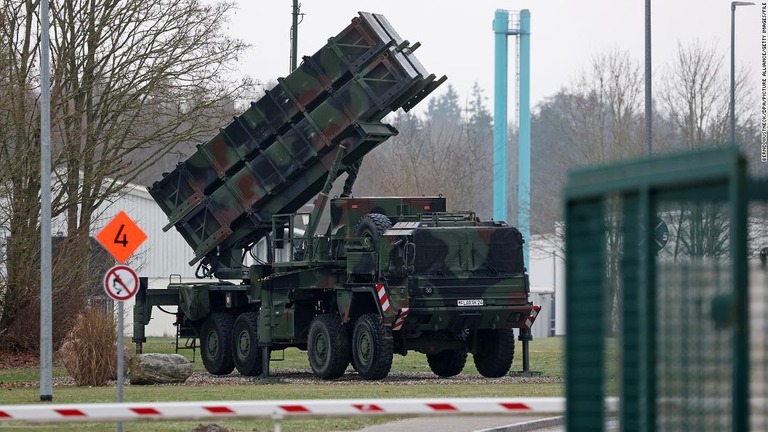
{"x": 354, "y": 206}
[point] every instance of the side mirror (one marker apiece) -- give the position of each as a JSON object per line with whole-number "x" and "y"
{"x": 409, "y": 257}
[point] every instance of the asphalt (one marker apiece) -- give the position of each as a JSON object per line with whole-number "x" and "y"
{"x": 470, "y": 424}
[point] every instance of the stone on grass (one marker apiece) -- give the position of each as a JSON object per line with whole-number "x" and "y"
{"x": 156, "y": 368}
{"x": 212, "y": 427}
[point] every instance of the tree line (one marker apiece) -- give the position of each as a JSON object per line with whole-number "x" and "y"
{"x": 131, "y": 81}
{"x": 596, "y": 118}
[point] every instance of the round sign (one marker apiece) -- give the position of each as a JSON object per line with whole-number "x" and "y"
{"x": 121, "y": 282}
{"x": 660, "y": 233}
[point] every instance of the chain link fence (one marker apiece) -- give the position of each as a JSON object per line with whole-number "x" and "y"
{"x": 667, "y": 307}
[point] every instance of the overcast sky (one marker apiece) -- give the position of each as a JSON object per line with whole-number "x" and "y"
{"x": 457, "y": 36}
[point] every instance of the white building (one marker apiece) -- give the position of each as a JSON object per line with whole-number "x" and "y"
{"x": 163, "y": 257}
{"x": 547, "y": 277}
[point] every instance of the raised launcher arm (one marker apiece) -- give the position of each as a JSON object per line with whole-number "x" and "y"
{"x": 276, "y": 156}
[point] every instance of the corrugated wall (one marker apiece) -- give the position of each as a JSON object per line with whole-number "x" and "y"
{"x": 163, "y": 253}
{"x": 544, "y": 325}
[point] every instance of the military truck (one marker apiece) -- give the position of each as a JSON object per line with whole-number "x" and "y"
{"x": 388, "y": 275}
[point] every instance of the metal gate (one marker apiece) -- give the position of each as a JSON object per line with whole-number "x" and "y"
{"x": 658, "y": 256}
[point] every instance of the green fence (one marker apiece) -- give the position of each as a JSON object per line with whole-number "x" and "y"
{"x": 659, "y": 295}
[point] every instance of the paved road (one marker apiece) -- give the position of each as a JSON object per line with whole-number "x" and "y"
{"x": 517, "y": 423}
{"x": 611, "y": 425}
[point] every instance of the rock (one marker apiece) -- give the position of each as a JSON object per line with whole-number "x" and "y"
{"x": 210, "y": 428}
{"x": 156, "y": 368}
{"x": 126, "y": 360}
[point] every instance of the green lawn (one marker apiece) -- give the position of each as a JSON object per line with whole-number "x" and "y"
{"x": 546, "y": 356}
{"x": 315, "y": 424}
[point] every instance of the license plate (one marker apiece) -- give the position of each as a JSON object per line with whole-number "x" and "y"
{"x": 473, "y": 302}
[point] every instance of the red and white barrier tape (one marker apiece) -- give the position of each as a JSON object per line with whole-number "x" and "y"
{"x": 338, "y": 407}
{"x": 383, "y": 298}
{"x": 400, "y": 320}
{"x": 534, "y": 313}
{"x": 50, "y": 413}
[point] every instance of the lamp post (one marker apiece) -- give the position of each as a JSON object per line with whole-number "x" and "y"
{"x": 734, "y": 4}
{"x": 648, "y": 88}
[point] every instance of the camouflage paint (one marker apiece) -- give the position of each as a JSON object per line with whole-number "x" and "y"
{"x": 273, "y": 157}
{"x": 454, "y": 260}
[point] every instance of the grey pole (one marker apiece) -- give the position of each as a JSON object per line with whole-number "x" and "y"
{"x": 732, "y": 104}
{"x": 120, "y": 358}
{"x": 46, "y": 339}
{"x": 648, "y": 82}
{"x": 732, "y": 134}
{"x": 295, "y": 34}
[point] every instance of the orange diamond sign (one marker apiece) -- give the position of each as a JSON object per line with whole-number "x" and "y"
{"x": 121, "y": 237}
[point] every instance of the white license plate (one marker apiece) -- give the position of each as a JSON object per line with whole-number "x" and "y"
{"x": 473, "y": 302}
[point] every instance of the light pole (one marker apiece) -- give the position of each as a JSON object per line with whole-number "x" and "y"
{"x": 733, "y": 68}
{"x": 648, "y": 88}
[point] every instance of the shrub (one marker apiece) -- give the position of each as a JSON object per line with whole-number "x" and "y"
{"x": 88, "y": 352}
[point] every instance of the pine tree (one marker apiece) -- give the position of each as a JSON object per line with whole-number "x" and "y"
{"x": 480, "y": 122}
{"x": 445, "y": 108}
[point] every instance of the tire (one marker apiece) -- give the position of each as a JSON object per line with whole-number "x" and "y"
{"x": 246, "y": 352}
{"x": 495, "y": 352}
{"x": 216, "y": 342}
{"x": 328, "y": 346}
{"x": 373, "y": 226}
{"x": 371, "y": 348}
{"x": 448, "y": 363}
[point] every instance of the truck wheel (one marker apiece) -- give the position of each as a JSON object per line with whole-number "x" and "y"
{"x": 328, "y": 346}
{"x": 246, "y": 352}
{"x": 215, "y": 344}
{"x": 448, "y": 363}
{"x": 372, "y": 226}
{"x": 371, "y": 349}
{"x": 495, "y": 352}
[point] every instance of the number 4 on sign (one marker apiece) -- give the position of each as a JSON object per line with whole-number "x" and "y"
{"x": 124, "y": 240}
{"x": 121, "y": 237}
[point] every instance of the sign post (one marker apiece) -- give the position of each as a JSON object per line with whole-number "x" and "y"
{"x": 121, "y": 237}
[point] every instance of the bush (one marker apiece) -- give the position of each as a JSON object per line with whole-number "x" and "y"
{"x": 23, "y": 333}
{"x": 79, "y": 263}
{"x": 88, "y": 352}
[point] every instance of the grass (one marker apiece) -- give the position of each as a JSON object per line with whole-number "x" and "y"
{"x": 315, "y": 424}
{"x": 278, "y": 391}
{"x": 10, "y": 376}
{"x": 546, "y": 356}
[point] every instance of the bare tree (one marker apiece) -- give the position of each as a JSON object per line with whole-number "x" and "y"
{"x": 602, "y": 109}
{"x": 693, "y": 97}
{"x": 19, "y": 152}
{"x": 599, "y": 118}
{"x": 694, "y": 100}
{"x": 130, "y": 80}
{"x": 596, "y": 119}
{"x": 437, "y": 155}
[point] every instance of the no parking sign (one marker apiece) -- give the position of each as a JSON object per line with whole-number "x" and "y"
{"x": 121, "y": 282}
